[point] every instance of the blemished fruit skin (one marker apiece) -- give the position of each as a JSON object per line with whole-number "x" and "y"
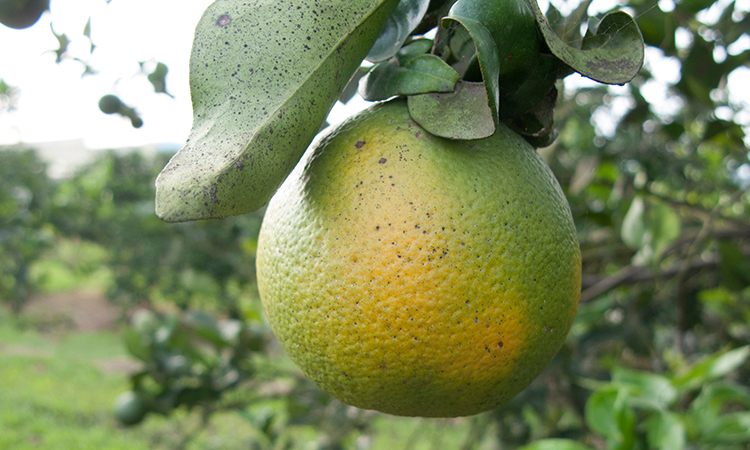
{"x": 415, "y": 275}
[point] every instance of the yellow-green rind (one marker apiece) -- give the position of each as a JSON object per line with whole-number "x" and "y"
{"x": 416, "y": 275}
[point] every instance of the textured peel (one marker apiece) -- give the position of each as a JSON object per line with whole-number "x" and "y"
{"x": 416, "y": 275}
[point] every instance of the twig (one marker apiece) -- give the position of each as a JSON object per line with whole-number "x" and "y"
{"x": 607, "y": 284}
{"x": 630, "y": 274}
{"x": 633, "y": 274}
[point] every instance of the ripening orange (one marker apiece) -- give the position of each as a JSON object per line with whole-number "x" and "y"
{"x": 416, "y": 275}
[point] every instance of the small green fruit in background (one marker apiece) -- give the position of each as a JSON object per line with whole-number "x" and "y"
{"x": 130, "y": 408}
{"x": 110, "y": 104}
{"x": 20, "y": 14}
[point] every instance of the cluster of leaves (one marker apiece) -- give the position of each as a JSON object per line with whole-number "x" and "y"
{"x": 666, "y": 406}
{"x": 208, "y": 265}
{"x": 660, "y": 199}
{"x": 489, "y": 62}
{"x": 194, "y": 361}
{"x": 189, "y": 360}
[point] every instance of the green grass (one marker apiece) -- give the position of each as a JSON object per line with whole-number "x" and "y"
{"x": 55, "y": 395}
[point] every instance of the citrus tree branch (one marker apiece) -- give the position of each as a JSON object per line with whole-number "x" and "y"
{"x": 632, "y": 274}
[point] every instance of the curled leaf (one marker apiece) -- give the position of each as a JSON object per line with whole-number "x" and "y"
{"x": 512, "y": 27}
{"x": 488, "y": 61}
{"x": 612, "y": 54}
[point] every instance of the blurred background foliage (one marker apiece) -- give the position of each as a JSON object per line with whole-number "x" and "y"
{"x": 657, "y": 176}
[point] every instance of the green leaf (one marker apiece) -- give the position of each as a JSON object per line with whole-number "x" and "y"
{"x": 511, "y": 27}
{"x": 664, "y": 225}
{"x": 734, "y": 267}
{"x": 710, "y": 368}
{"x": 658, "y": 29}
{"x": 420, "y": 75}
{"x": 457, "y": 47}
{"x": 700, "y": 72}
{"x": 555, "y": 444}
{"x": 400, "y": 24}
{"x": 633, "y": 229}
{"x": 646, "y": 385}
{"x": 665, "y": 431}
{"x": 206, "y": 327}
{"x": 462, "y": 114}
{"x": 413, "y": 49}
{"x": 711, "y": 403}
{"x": 612, "y": 54}
{"x": 158, "y": 78}
{"x": 608, "y": 413}
{"x": 729, "y": 429}
{"x": 489, "y": 61}
{"x": 135, "y": 345}
{"x": 351, "y": 88}
{"x": 694, "y": 6}
{"x": 63, "y": 43}
{"x": 650, "y": 227}
{"x": 263, "y": 78}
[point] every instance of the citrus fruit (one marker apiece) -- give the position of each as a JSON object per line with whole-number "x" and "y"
{"x": 415, "y": 275}
{"x": 21, "y": 14}
{"x": 130, "y": 409}
{"x": 110, "y": 104}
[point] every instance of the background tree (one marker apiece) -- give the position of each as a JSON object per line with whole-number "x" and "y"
{"x": 25, "y": 232}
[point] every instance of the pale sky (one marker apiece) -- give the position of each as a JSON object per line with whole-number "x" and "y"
{"x": 57, "y": 104}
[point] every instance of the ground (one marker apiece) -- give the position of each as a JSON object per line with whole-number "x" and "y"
{"x": 79, "y": 311}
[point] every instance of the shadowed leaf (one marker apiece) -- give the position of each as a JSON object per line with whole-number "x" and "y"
{"x": 612, "y": 55}
{"x": 404, "y": 19}
{"x": 487, "y": 54}
{"x": 421, "y": 74}
{"x": 463, "y": 114}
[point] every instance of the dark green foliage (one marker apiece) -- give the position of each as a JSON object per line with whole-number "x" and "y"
{"x": 189, "y": 265}
{"x": 25, "y": 192}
